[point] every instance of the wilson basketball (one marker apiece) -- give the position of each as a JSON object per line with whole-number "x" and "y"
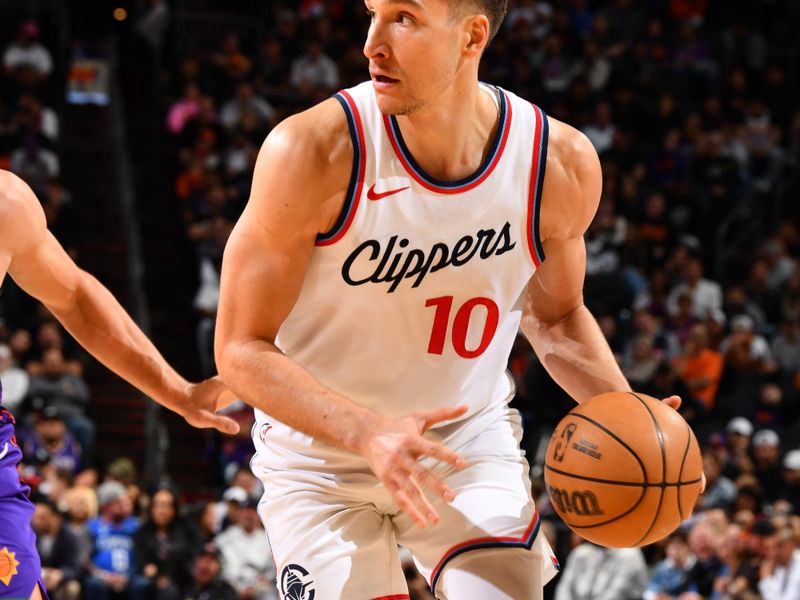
{"x": 623, "y": 470}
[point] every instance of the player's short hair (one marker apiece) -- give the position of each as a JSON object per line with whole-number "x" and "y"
{"x": 495, "y": 11}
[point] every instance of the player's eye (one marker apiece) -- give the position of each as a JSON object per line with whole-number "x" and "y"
{"x": 404, "y": 19}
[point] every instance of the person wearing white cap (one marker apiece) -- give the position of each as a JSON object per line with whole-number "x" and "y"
{"x": 767, "y": 459}
{"x": 790, "y": 490}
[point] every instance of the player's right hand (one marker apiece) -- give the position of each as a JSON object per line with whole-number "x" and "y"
{"x": 393, "y": 450}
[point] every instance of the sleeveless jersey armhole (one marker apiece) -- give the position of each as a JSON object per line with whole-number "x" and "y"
{"x": 354, "y": 188}
{"x": 538, "y": 166}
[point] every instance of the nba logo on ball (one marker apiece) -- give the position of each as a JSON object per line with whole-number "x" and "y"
{"x": 623, "y": 470}
{"x": 296, "y": 584}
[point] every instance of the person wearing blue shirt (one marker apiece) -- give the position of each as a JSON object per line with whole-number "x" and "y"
{"x": 111, "y": 533}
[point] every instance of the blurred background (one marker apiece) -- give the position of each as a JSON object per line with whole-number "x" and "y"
{"x": 138, "y": 125}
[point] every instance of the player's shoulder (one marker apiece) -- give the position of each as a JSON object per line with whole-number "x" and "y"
{"x": 21, "y": 215}
{"x": 318, "y": 133}
{"x": 574, "y": 176}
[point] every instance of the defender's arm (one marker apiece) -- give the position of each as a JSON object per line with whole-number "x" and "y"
{"x": 41, "y": 267}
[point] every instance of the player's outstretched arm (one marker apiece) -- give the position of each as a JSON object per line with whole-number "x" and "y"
{"x": 40, "y": 266}
{"x": 555, "y": 320}
{"x": 301, "y": 176}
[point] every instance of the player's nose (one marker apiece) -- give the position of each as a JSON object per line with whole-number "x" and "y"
{"x": 376, "y": 46}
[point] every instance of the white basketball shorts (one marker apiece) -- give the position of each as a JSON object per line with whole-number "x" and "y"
{"x": 334, "y": 529}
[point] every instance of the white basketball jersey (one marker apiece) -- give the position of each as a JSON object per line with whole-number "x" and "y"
{"x": 413, "y": 300}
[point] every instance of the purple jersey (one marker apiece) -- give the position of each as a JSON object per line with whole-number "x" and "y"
{"x": 20, "y": 567}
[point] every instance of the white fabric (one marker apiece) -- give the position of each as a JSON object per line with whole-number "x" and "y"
{"x": 338, "y": 524}
{"x": 371, "y": 344}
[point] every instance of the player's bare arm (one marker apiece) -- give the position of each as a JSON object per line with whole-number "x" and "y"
{"x": 561, "y": 329}
{"x": 39, "y": 265}
{"x": 300, "y": 181}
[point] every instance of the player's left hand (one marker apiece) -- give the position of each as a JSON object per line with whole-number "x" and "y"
{"x": 674, "y": 402}
{"x": 204, "y": 399}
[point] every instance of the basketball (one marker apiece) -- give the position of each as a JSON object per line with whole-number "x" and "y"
{"x": 623, "y": 470}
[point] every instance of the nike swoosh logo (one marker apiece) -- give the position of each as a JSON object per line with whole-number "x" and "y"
{"x": 5, "y": 451}
{"x": 373, "y": 195}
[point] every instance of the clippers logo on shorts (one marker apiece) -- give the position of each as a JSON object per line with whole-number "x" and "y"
{"x": 563, "y": 443}
{"x": 296, "y": 583}
{"x": 582, "y": 503}
{"x": 8, "y": 565}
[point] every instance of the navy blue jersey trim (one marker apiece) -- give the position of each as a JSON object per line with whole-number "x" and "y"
{"x": 524, "y": 544}
{"x": 490, "y": 157}
{"x": 537, "y": 201}
{"x": 351, "y": 188}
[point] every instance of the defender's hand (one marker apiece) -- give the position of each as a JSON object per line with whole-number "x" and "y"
{"x": 674, "y": 402}
{"x": 393, "y": 451}
{"x": 204, "y": 400}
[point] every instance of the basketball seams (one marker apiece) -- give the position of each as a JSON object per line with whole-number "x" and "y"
{"x": 683, "y": 463}
{"x": 660, "y": 435}
{"x": 616, "y": 438}
{"x": 644, "y": 484}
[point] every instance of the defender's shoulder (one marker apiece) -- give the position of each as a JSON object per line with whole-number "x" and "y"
{"x": 22, "y": 219}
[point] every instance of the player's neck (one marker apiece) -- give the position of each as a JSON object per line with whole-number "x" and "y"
{"x": 451, "y": 138}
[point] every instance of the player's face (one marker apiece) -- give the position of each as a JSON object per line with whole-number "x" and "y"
{"x": 414, "y": 54}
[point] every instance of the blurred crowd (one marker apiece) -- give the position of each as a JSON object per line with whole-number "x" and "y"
{"x": 693, "y": 275}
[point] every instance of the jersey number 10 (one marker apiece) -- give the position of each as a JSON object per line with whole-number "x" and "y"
{"x": 444, "y": 307}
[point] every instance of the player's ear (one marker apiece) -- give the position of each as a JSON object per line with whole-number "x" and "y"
{"x": 476, "y": 34}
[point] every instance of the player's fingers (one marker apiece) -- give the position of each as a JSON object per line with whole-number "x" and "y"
{"x": 418, "y": 499}
{"x": 206, "y": 420}
{"x": 404, "y": 502}
{"x": 428, "y": 418}
{"x": 673, "y": 402}
{"x": 428, "y": 480}
{"x": 439, "y": 452}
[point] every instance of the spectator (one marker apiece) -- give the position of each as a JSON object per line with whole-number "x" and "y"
{"x": 720, "y": 491}
{"x": 602, "y": 574}
{"x": 207, "y": 584}
{"x": 767, "y": 460}
{"x": 780, "y": 569}
{"x": 112, "y": 534}
{"x": 314, "y": 71}
{"x": 786, "y": 346}
{"x": 59, "y": 550}
{"x": 51, "y": 443}
{"x": 68, "y": 393}
{"x": 790, "y": 490}
{"x": 25, "y": 59}
{"x": 706, "y": 295}
{"x": 737, "y": 579}
{"x": 670, "y": 578}
{"x": 15, "y": 380}
{"x": 164, "y": 551}
{"x": 35, "y": 163}
{"x": 704, "y": 540}
{"x": 81, "y": 507}
{"x": 700, "y": 367}
{"x": 246, "y": 556}
{"x": 246, "y": 102}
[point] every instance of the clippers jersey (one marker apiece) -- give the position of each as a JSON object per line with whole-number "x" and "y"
{"x": 413, "y": 300}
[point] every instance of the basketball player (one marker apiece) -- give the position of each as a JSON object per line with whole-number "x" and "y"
{"x": 41, "y": 267}
{"x": 395, "y": 238}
